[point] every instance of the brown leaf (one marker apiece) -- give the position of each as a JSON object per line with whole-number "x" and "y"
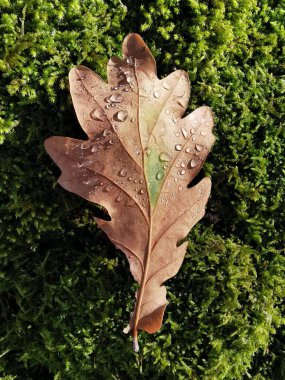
{"x": 137, "y": 162}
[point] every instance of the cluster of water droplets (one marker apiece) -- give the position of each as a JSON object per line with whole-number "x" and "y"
{"x": 125, "y": 188}
{"x": 186, "y": 155}
{"x": 131, "y": 182}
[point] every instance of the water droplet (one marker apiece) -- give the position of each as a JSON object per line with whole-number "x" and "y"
{"x": 175, "y": 179}
{"x": 82, "y": 75}
{"x": 96, "y": 148}
{"x": 179, "y": 187}
{"x": 147, "y": 151}
{"x": 159, "y": 175}
{"x": 188, "y": 150}
{"x": 141, "y": 191}
{"x": 123, "y": 172}
{"x": 182, "y": 172}
{"x": 166, "y": 85}
{"x": 114, "y": 88}
{"x": 85, "y": 144}
{"x": 203, "y": 133}
{"x": 130, "y": 203}
{"x": 164, "y": 157}
{"x": 175, "y": 119}
{"x": 92, "y": 181}
{"x": 193, "y": 138}
{"x": 129, "y": 60}
{"x": 198, "y": 147}
{"x": 192, "y": 130}
{"x": 132, "y": 119}
{"x": 141, "y": 181}
{"x": 108, "y": 188}
{"x": 164, "y": 166}
{"x": 77, "y": 165}
{"x": 115, "y": 98}
{"x": 178, "y": 147}
{"x": 156, "y": 94}
{"x": 106, "y": 132}
{"x": 130, "y": 179}
{"x": 184, "y": 132}
{"x": 121, "y": 115}
{"x": 112, "y": 142}
{"x": 167, "y": 111}
{"x": 88, "y": 161}
{"x": 119, "y": 198}
{"x": 194, "y": 162}
{"x": 98, "y": 114}
{"x": 183, "y": 164}
{"x": 126, "y": 89}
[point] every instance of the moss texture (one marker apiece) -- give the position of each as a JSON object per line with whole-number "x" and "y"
{"x": 65, "y": 292}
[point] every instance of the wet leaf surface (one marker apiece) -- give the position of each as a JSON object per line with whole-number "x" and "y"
{"x": 139, "y": 157}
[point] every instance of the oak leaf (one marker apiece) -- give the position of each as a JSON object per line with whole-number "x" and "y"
{"x": 139, "y": 157}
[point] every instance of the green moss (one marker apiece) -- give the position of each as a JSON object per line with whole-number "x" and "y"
{"x": 66, "y": 293}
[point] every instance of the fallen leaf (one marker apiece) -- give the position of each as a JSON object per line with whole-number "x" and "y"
{"x": 137, "y": 162}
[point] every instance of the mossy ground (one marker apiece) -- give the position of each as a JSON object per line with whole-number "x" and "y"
{"x": 66, "y": 293}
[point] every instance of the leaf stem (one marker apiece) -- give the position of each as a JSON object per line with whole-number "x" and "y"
{"x": 141, "y": 289}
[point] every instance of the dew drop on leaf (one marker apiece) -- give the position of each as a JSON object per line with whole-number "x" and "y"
{"x": 119, "y": 198}
{"x": 141, "y": 191}
{"x": 156, "y": 94}
{"x": 130, "y": 203}
{"x": 106, "y": 132}
{"x": 116, "y": 98}
{"x": 159, "y": 175}
{"x": 188, "y": 150}
{"x": 198, "y": 147}
{"x": 85, "y": 145}
{"x": 194, "y": 162}
{"x": 123, "y": 172}
{"x": 164, "y": 157}
{"x": 178, "y": 147}
{"x": 175, "y": 119}
{"x": 77, "y": 165}
{"x": 108, "y": 188}
{"x": 179, "y": 187}
{"x": 166, "y": 85}
{"x": 184, "y": 132}
{"x": 92, "y": 181}
{"x": 96, "y": 148}
{"x": 98, "y": 114}
{"x": 203, "y": 133}
{"x": 121, "y": 115}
